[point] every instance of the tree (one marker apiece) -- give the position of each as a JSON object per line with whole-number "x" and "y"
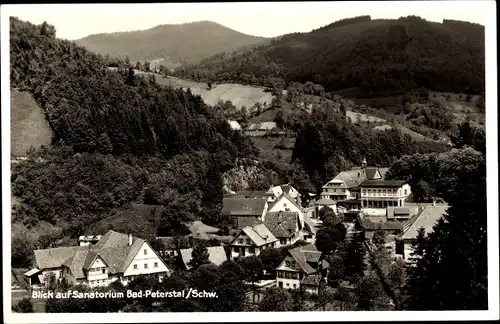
{"x": 23, "y": 306}
{"x": 369, "y": 289}
{"x": 354, "y": 261}
{"x": 327, "y": 239}
{"x": 336, "y": 271}
{"x": 271, "y": 258}
{"x": 379, "y": 236}
{"x": 276, "y": 300}
{"x": 199, "y": 256}
{"x": 433, "y": 285}
{"x": 173, "y": 221}
{"x": 346, "y": 298}
{"x": 279, "y": 120}
{"x": 22, "y": 252}
{"x": 207, "y": 277}
{"x": 253, "y": 267}
{"x": 419, "y": 246}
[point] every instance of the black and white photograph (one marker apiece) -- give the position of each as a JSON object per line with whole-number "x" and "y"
{"x": 249, "y": 161}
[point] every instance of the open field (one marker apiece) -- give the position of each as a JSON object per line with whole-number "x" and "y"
{"x": 269, "y": 150}
{"x": 29, "y": 128}
{"x": 238, "y": 94}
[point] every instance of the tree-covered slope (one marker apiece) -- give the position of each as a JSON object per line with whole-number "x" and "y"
{"x": 118, "y": 139}
{"x": 184, "y": 43}
{"x": 91, "y": 108}
{"x": 379, "y": 56}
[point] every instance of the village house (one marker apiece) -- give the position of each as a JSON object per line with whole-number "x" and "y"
{"x": 427, "y": 218}
{"x": 252, "y": 240}
{"x": 234, "y": 125}
{"x": 244, "y": 211}
{"x": 275, "y": 192}
{"x": 376, "y": 195}
{"x": 216, "y": 255}
{"x": 302, "y": 268}
{"x": 325, "y": 202}
{"x": 344, "y": 189}
{"x": 286, "y": 203}
{"x": 285, "y": 226}
{"x": 116, "y": 256}
{"x": 370, "y": 224}
{"x": 199, "y": 232}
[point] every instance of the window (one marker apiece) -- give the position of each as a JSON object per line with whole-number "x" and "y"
{"x": 135, "y": 266}
{"x": 145, "y": 265}
{"x": 156, "y": 264}
{"x": 240, "y": 241}
{"x": 103, "y": 270}
{"x": 287, "y": 284}
{"x": 294, "y": 286}
{"x": 405, "y": 192}
{"x": 145, "y": 251}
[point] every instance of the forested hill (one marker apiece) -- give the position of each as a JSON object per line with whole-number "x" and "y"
{"x": 378, "y": 56}
{"x": 184, "y": 43}
{"x": 93, "y": 109}
{"x": 137, "y": 141}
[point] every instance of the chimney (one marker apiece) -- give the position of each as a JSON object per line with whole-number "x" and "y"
{"x": 364, "y": 163}
{"x": 130, "y": 239}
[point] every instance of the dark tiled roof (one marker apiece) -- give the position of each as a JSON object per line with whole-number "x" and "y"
{"x": 244, "y": 206}
{"x": 288, "y": 220}
{"x": 311, "y": 280}
{"x": 383, "y": 183}
{"x": 244, "y": 221}
{"x": 388, "y": 226}
{"x": 56, "y": 257}
{"x": 370, "y": 173}
{"x": 280, "y": 232}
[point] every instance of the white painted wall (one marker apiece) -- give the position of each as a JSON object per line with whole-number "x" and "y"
{"x": 284, "y": 204}
{"x": 149, "y": 258}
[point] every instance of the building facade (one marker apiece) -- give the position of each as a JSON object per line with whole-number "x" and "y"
{"x": 376, "y": 194}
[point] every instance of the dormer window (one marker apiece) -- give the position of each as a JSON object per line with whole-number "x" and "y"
{"x": 145, "y": 251}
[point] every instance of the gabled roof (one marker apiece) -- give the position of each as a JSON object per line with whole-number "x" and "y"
{"x": 234, "y": 124}
{"x": 197, "y": 227}
{"x": 426, "y": 219}
{"x": 324, "y": 201}
{"x": 382, "y": 183}
{"x": 259, "y": 234}
{"x": 298, "y": 254}
{"x": 115, "y": 251}
{"x": 243, "y": 206}
{"x": 311, "y": 280}
{"x": 371, "y": 173}
{"x": 367, "y": 224}
{"x": 216, "y": 255}
{"x": 287, "y": 219}
{"x": 245, "y": 221}
{"x": 56, "y": 257}
{"x": 289, "y": 198}
{"x": 280, "y": 232}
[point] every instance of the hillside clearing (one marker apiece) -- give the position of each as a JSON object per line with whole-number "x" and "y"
{"x": 239, "y": 95}
{"x": 29, "y": 128}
